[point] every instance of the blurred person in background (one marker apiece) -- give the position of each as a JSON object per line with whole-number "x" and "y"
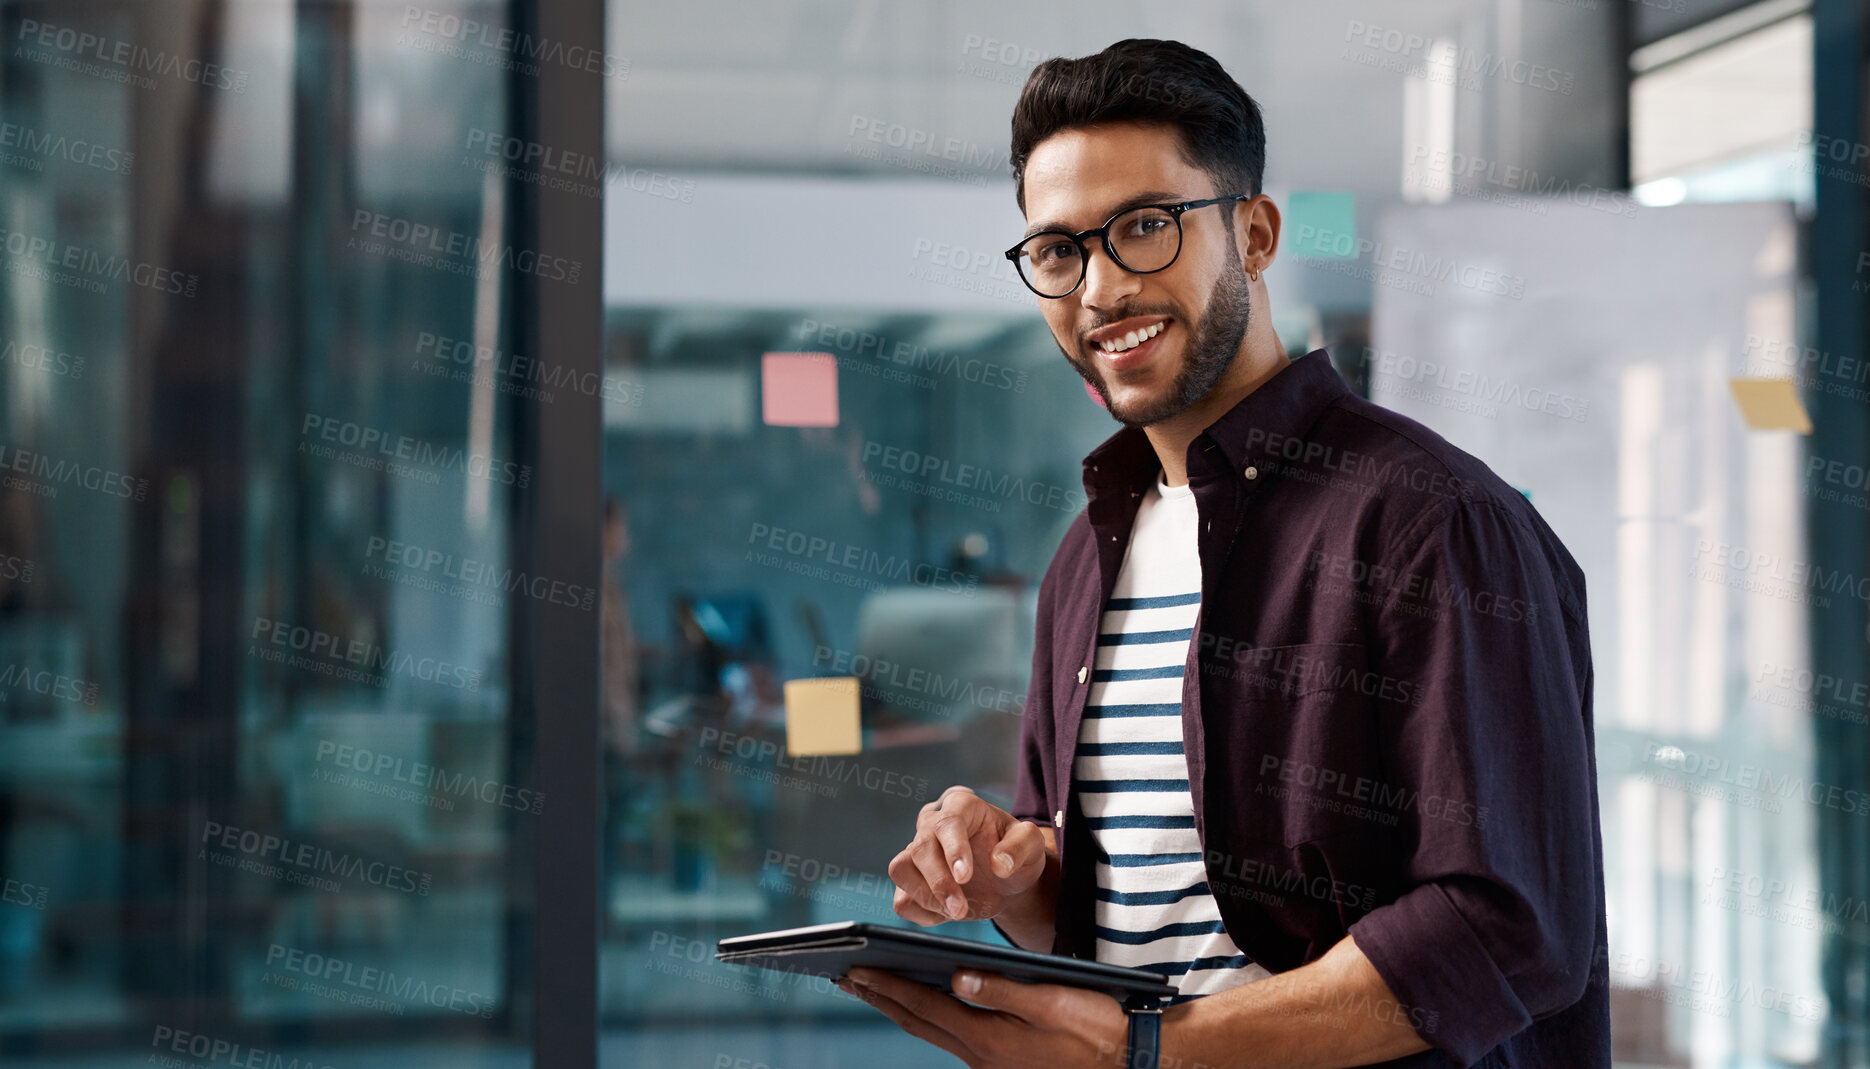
{"x": 621, "y": 688}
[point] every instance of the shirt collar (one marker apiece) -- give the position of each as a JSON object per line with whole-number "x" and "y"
{"x": 1249, "y": 435}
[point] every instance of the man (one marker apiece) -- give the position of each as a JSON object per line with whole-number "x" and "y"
{"x": 1309, "y": 727}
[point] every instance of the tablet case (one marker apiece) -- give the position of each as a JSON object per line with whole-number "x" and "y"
{"x": 831, "y": 950}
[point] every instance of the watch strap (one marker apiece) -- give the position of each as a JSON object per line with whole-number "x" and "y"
{"x": 1145, "y": 1049}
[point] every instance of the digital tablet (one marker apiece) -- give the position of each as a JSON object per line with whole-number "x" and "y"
{"x": 831, "y": 950}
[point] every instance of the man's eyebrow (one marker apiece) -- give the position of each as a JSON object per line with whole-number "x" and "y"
{"x": 1152, "y": 196}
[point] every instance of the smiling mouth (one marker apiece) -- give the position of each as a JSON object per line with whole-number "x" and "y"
{"x": 1132, "y": 339}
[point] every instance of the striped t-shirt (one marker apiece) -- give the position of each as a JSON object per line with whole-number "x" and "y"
{"x": 1154, "y": 908}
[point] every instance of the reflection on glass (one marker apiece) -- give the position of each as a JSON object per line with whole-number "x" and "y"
{"x": 374, "y": 730}
{"x": 255, "y": 561}
{"x": 69, "y": 494}
{"x": 902, "y": 547}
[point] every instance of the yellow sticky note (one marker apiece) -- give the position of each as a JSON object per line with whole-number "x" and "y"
{"x": 822, "y": 716}
{"x": 1771, "y": 405}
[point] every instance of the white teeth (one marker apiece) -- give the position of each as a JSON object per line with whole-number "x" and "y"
{"x": 1132, "y": 339}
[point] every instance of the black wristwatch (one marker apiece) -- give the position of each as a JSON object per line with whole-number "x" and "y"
{"x": 1145, "y": 1034}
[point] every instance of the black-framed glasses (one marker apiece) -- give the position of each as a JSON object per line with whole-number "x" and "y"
{"x": 1141, "y": 240}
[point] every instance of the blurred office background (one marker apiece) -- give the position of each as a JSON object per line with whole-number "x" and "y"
{"x": 432, "y": 434}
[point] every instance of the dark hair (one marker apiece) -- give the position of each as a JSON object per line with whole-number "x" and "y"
{"x": 1145, "y": 80}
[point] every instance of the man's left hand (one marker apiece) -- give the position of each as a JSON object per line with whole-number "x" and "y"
{"x": 1003, "y": 1024}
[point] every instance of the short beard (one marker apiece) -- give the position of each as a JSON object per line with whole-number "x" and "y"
{"x": 1212, "y": 349}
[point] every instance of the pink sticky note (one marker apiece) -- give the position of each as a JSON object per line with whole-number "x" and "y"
{"x": 799, "y": 389}
{"x": 1088, "y": 389}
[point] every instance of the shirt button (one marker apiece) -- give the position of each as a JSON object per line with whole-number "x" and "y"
{"x": 1083, "y": 672}
{"x": 1251, "y": 472}
{"x": 1058, "y": 819}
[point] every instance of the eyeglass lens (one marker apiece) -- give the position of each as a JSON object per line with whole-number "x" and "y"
{"x": 1144, "y": 239}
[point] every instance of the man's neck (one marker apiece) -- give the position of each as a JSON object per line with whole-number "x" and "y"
{"x": 1259, "y": 360}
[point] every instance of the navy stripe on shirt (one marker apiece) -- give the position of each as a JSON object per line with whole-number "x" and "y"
{"x": 1193, "y": 597}
{"x": 1138, "y": 861}
{"x": 1111, "y": 675}
{"x": 1167, "y": 931}
{"x": 1151, "y": 898}
{"x": 1098, "y": 712}
{"x": 1132, "y": 749}
{"x": 1115, "y": 786}
{"x": 1141, "y": 820}
{"x": 1138, "y": 638}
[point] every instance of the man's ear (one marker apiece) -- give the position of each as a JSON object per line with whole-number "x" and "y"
{"x": 1257, "y": 233}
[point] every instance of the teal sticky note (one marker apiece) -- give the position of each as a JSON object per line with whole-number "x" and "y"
{"x": 1321, "y": 226}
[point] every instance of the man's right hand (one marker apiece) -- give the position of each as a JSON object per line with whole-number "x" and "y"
{"x": 968, "y": 858}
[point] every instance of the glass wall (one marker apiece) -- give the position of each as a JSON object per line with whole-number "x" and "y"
{"x": 1666, "y": 492}
{"x": 899, "y": 545}
{"x": 69, "y": 507}
{"x": 376, "y": 549}
{"x": 805, "y": 407}
{"x": 258, "y": 793}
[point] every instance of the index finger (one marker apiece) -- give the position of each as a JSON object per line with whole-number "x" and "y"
{"x": 934, "y": 811}
{"x": 955, "y": 838}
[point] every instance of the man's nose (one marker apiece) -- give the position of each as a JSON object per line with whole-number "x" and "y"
{"x": 1105, "y": 284}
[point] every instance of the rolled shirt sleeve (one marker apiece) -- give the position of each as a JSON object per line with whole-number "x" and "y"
{"x": 1498, "y": 923}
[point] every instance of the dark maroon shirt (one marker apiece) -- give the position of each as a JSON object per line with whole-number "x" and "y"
{"x": 1386, "y": 710}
